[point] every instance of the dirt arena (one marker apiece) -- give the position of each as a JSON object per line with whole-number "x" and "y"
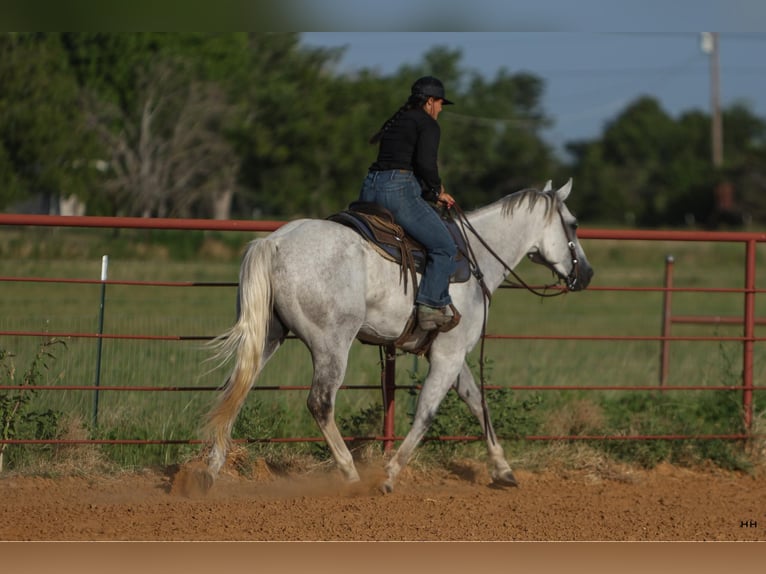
{"x": 665, "y": 504}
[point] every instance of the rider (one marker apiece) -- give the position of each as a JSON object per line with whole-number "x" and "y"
{"x": 403, "y": 177}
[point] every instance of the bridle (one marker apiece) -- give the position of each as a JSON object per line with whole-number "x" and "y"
{"x": 571, "y": 280}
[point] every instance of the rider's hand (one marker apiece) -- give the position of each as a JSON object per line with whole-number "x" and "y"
{"x": 445, "y": 198}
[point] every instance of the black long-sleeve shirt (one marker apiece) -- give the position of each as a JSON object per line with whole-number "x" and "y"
{"x": 412, "y": 143}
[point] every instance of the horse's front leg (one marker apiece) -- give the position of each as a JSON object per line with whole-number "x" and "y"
{"x": 442, "y": 372}
{"x": 467, "y": 389}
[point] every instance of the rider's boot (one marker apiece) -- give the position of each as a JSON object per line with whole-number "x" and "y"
{"x": 432, "y": 318}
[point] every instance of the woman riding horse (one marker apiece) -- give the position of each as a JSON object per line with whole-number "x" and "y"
{"x": 404, "y": 175}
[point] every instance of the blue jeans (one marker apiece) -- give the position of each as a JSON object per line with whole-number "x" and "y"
{"x": 399, "y": 192}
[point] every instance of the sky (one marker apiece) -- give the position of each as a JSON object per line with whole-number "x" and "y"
{"x": 590, "y": 77}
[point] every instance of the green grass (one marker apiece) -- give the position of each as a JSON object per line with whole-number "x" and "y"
{"x": 207, "y": 311}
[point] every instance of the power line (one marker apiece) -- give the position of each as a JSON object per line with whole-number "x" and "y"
{"x": 728, "y": 36}
{"x": 614, "y": 71}
{"x": 661, "y": 75}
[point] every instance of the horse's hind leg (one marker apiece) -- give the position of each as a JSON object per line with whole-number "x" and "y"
{"x": 329, "y": 370}
{"x": 217, "y": 457}
{"x": 468, "y": 391}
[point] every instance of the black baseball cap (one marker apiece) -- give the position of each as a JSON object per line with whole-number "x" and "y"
{"x": 430, "y": 86}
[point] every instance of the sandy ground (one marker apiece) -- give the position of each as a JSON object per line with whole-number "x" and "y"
{"x": 665, "y": 504}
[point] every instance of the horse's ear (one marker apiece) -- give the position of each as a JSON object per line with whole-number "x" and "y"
{"x": 563, "y": 191}
{"x": 548, "y": 185}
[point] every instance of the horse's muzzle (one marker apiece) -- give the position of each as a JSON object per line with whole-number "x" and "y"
{"x": 580, "y": 276}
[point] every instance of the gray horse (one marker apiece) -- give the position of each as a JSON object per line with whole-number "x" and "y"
{"x": 325, "y": 283}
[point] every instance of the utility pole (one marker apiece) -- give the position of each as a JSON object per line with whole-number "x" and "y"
{"x": 709, "y": 43}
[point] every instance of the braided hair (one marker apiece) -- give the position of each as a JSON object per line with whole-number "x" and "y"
{"x": 413, "y": 102}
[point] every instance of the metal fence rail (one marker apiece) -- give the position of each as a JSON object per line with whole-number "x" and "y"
{"x": 389, "y": 387}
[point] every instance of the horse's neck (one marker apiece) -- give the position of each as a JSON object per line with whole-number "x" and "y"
{"x": 510, "y": 237}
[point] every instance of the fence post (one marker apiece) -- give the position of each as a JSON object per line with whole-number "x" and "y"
{"x": 749, "y": 334}
{"x": 667, "y": 319}
{"x": 100, "y": 341}
{"x": 389, "y": 389}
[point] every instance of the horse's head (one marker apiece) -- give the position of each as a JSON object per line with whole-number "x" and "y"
{"x": 559, "y": 249}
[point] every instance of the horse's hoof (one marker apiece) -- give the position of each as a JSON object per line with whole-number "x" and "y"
{"x": 205, "y": 480}
{"x": 387, "y": 487}
{"x": 201, "y": 481}
{"x": 192, "y": 481}
{"x": 505, "y": 479}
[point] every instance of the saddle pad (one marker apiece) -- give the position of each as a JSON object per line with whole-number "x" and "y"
{"x": 368, "y": 224}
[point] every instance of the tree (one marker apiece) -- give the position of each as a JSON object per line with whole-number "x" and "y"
{"x": 651, "y": 169}
{"x": 296, "y": 144}
{"x": 169, "y": 158}
{"x": 745, "y": 160}
{"x": 645, "y": 169}
{"x": 44, "y": 147}
{"x": 162, "y": 105}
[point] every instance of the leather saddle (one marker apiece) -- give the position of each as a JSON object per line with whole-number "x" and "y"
{"x": 376, "y": 224}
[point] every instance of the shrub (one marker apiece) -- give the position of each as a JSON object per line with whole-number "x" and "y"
{"x": 665, "y": 413}
{"x": 18, "y": 417}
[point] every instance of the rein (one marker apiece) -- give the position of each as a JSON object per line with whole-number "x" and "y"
{"x": 464, "y": 225}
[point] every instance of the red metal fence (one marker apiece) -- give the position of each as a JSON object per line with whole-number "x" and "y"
{"x": 748, "y": 338}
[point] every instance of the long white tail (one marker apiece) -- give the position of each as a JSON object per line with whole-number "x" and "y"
{"x": 246, "y": 339}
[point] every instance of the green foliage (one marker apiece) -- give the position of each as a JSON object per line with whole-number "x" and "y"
{"x": 514, "y": 415}
{"x": 19, "y": 418}
{"x": 44, "y": 143}
{"x": 362, "y": 424}
{"x": 517, "y": 415}
{"x": 650, "y": 169}
{"x": 180, "y": 247}
{"x": 664, "y": 413}
{"x": 257, "y": 420}
{"x": 134, "y": 456}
